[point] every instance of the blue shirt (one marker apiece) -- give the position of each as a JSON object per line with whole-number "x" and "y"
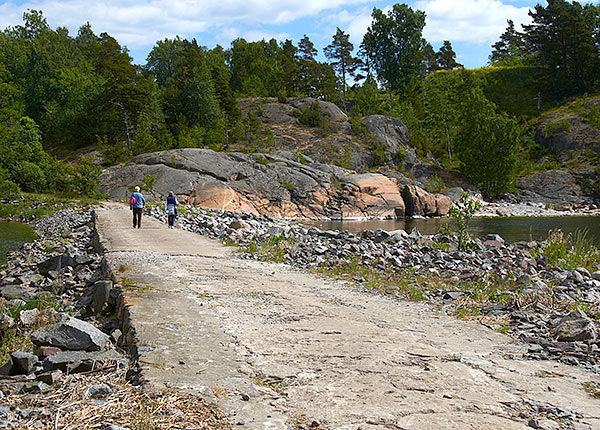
{"x": 140, "y": 201}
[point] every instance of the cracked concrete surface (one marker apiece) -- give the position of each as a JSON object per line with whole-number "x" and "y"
{"x": 274, "y": 346}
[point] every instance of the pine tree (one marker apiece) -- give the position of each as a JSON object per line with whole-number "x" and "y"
{"x": 564, "y": 44}
{"x": 511, "y": 49}
{"x": 340, "y": 54}
{"x": 446, "y": 57}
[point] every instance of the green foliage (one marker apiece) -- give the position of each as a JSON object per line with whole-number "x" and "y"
{"x": 314, "y": 116}
{"x": 148, "y": 183}
{"x": 461, "y": 211}
{"x": 394, "y": 42}
{"x": 8, "y": 189}
{"x": 564, "y": 44}
{"x": 18, "y": 338}
{"x": 366, "y": 98}
{"x": 339, "y": 52}
{"x": 569, "y": 251}
{"x": 486, "y": 144}
{"x": 86, "y": 177}
{"x": 30, "y": 177}
{"x": 557, "y": 127}
{"x": 592, "y": 115}
{"x": 275, "y": 248}
{"x": 434, "y": 184}
{"x": 288, "y": 186}
{"x": 379, "y": 155}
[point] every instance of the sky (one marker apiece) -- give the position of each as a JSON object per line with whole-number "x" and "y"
{"x": 472, "y": 26}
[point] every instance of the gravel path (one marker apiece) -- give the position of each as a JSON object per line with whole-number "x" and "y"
{"x": 275, "y": 347}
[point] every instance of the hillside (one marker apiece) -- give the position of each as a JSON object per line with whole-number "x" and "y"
{"x": 568, "y": 159}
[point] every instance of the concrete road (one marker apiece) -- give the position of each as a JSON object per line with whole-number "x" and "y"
{"x": 274, "y": 346}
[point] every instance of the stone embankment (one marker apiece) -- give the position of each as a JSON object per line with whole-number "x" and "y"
{"x": 536, "y": 302}
{"x": 60, "y": 271}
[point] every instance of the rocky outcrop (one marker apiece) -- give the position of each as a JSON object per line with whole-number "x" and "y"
{"x": 265, "y": 184}
{"x": 552, "y": 186}
{"x": 420, "y": 202}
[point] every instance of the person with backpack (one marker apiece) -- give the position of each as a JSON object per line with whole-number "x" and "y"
{"x": 171, "y": 208}
{"x": 137, "y": 203}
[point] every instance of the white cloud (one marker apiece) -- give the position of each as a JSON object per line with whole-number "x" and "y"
{"x": 139, "y": 23}
{"x": 478, "y": 22}
{"x": 354, "y": 23}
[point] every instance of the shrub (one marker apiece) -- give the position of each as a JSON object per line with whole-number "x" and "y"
{"x": 86, "y": 177}
{"x": 30, "y": 177}
{"x": 8, "y": 189}
{"x": 313, "y": 116}
{"x": 557, "y": 127}
{"x": 462, "y": 211}
{"x": 434, "y": 184}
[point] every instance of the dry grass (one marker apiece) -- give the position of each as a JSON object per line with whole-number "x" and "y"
{"x": 66, "y": 407}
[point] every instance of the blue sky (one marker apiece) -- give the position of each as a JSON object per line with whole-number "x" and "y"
{"x": 471, "y": 25}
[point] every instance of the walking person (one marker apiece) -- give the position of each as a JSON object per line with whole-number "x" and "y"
{"x": 137, "y": 203}
{"x": 171, "y": 208}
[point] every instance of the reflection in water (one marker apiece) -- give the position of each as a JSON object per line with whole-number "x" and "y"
{"x": 13, "y": 235}
{"x": 512, "y": 229}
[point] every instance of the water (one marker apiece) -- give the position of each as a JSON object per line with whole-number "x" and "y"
{"x": 512, "y": 229}
{"x": 13, "y": 235}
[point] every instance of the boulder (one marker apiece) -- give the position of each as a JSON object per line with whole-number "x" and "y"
{"x": 71, "y": 334}
{"x": 82, "y": 361}
{"x": 333, "y": 113}
{"x": 377, "y": 195}
{"x": 552, "y": 186}
{"x": 574, "y": 326}
{"x": 420, "y": 202}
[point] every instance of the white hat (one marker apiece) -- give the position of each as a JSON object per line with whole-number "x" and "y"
{"x": 137, "y": 189}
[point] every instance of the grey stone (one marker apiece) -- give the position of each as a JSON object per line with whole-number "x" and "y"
{"x": 71, "y": 334}
{"x": 27, "y": 317}
{"x": 23, "y": 362}
{"x": 11, "y": 292}
{"x": 82, "y": 361}
{"x": 575, "y": 326}
{"x": 35, "y": 387}
{"x": 97, "y": 391}
{"x": 57, "y": 263}
{"x": 101, "y": 295}
{"x": 7, "y": 368}
{"x": 495, "y": 237}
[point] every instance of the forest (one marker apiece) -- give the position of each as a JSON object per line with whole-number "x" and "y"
{"x": 62, "y": 93}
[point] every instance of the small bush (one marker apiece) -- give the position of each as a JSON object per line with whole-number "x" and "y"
{"x": 30, "y": 177}
{"x": 9, "y": 190}
{"x": 592, "y": 116}
{"x": 313, "y": 116}
{"x": 434, "y": 184}
{"x": 557, "y": 127}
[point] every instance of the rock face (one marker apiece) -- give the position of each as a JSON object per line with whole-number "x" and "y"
{"x": 390, "y": 132}
{"x": 553, "y": 186}
{"x": 265, "y": 184}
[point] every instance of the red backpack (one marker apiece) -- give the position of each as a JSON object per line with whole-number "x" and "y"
{"x": 132, "y": 201}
